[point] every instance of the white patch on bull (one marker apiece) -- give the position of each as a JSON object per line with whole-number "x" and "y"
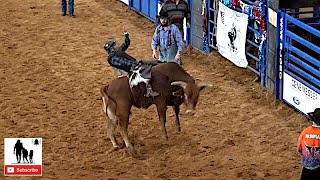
{"x": 111, "y": 116}
{"x": 137, "y": 78}
{"x": 104, "y": 105}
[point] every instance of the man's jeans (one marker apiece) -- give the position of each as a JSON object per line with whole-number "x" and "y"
{"x": 70, "y": 7}
{"x": 168, "y": 54}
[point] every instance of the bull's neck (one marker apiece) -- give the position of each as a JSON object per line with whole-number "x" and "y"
{"x": 182, "y": 76}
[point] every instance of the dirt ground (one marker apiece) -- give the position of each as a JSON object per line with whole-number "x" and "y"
{"x": 52, "y": 67}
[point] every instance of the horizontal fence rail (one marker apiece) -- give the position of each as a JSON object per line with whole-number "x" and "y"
{"x": 301, "y": 53}
{"x": 303, "y": 25}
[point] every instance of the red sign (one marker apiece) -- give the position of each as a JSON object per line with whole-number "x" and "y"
{"x": 22, "y": 170}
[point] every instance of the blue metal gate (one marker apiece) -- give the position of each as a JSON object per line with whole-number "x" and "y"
{"x": 298, "y": 63}
{"x": 147, "y": 8}
{"x": 256, "y": 50}
{"x": 213, "y": 8}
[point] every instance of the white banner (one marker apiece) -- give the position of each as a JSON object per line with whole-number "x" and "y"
{"x": 125, "y": 1}
{"x": 231, "y": 35}
{"x": 299, "y": 95}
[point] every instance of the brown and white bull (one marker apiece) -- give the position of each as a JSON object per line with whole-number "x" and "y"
{"x": 173, "y": 83}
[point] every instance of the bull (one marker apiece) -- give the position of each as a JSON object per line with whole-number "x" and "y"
{"x": 173, "y": 83}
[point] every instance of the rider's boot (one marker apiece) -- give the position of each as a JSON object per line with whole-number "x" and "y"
{"x": 150, "y": 92}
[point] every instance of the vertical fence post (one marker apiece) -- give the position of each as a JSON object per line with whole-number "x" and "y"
{"x": 188, "y": 29}
{"x": 208, "y": 23}
{"x": 191, "y": 24}
{"x": 280, "y": 46}
{"x": 263, "y": 65}
{"x": 316, "y": 13}
{"x": 296, "y": 14}
{"x": 129, "y": 4}
{"x": 207, "y": 9}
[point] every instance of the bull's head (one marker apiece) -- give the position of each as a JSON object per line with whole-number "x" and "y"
{"x": 191, "y": 94}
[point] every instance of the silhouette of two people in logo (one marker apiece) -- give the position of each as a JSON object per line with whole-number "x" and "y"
{"x": 20, "y": 150}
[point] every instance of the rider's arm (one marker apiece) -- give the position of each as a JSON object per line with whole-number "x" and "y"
{"x": 126, "y": 42}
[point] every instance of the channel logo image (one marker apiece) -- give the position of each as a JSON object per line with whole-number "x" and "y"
{"x": 23, "y": 156}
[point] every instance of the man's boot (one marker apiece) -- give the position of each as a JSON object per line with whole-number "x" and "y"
{"x": 150, "y": 92}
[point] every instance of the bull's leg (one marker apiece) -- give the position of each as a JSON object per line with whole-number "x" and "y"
{"x": 111, "y": 125}
{"x": 123, "y": 124}
{"x": 177, "y": 123}
{"x": 123, "y": 115}
{"x": 161, "y": 108}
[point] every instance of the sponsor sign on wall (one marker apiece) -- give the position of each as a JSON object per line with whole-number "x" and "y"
{"x": 299, "y": 95}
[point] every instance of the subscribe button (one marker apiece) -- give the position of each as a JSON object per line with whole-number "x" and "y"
{"x": 22, "y": 170}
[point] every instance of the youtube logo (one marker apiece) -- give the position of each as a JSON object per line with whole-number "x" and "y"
{"x": 10, "y": 169}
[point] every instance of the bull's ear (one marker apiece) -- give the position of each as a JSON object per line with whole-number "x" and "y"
{"x": 202, "y": 85}
{"x": 179, "y": 83}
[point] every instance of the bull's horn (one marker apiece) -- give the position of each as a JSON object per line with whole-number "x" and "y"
{"x": 179, "y": 83}
{"x": 202, "y": 85}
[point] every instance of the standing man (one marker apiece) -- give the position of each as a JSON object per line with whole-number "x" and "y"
{"x": 177, "y": 10}
{"x": 18, "y": 150}
{"x": 169, "y": 40}
{"x": 70, "y": 7}
{"x": 309, "y": 148}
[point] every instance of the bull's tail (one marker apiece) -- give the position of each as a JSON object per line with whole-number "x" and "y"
{"x": 104, "y": 97}
{"x": 103, "y": 90}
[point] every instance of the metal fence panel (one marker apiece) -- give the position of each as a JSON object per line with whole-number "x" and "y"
{"x": 196, "y": 24}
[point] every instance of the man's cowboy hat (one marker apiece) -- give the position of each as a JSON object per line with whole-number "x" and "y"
{"x": 163, "y": 15}
{"x": 314, "y": 116}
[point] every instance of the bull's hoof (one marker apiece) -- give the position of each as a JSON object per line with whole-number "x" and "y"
{"x": 134, "y": 154}
{"x": 121, "y": 146}
{"x": 165, "y": 137}
{"x": 131, "y": 151}
{"x": 113, "y": 149}
{"x": 141, "y": 157}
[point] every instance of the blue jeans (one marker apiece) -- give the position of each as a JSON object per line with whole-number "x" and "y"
{"x": 168, "y": 54}
{"x": 70, "y": 7}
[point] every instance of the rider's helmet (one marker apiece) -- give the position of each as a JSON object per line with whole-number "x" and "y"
{"x": 109, "y": 44}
